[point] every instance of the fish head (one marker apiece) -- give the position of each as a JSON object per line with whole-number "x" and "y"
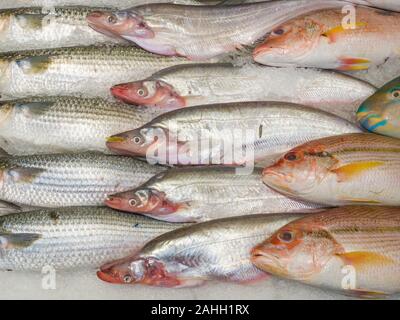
{"x": 141, "y": 200}
{"x": 300, "y": 171}
{"x": 288, "y": 43}
{"x": 380, "y": 113}
{"x": 123, "y": 23}
{"x": 141, "y": 270}
{"x": 296, "y": 251}
{"x": 138, "y": 142}
{"x": 152, "y": 93}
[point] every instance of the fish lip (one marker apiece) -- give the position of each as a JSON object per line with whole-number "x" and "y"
{"x": 259, "y": 258}
{"x": 120, "y": 92}
{"x": 113, "y": 202}
{"x": 107, "y": 278}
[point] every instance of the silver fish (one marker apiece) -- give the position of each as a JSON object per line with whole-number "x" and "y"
{"x": 40, "y": 28}
{"x": 61, "y": 180}
{"x": 78, "y": 71}
{"x": 71, "y": 238}
{"x": 229, "y": 134}
{"x": 201, "y": 194}
{"x": 65, "y": 124}
{"x": 184, "y": 86}
{"x": 199, "y": 32}
{"x": 189, "y": 256}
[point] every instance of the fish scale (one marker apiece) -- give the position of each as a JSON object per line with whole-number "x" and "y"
{"x": 70, "y": 179}
{"x": 61, "y": 124}
{"x": 79, "y": 237}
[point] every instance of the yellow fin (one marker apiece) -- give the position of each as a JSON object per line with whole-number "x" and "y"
{"x": 354, "y": 169}
{"x": 367, "y": 294}
{"x": 361, "y": 259}
{"x": 333, "y": 33}
{"x": 359, "y": 200}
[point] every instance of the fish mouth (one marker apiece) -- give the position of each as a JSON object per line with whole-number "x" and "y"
{"x": 121, "y": 92}
{"x": 107, "y": 277}
{"x": 113, "y": 202}
{"x": 93, "y": 20}
{"x": 264, "y": 261}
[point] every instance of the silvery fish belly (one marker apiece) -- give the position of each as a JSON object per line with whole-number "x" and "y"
{"x": 355, "y": 250}
{"x": 39, "y": 28}
{"x": 61, "y": 180}
{"x": 229, "y": 134}
{"x": 184, "y": 86}
{"x": 350, "y": 169}
{"x": 199, "y": 32}
{"x": 72, "y": 238}
{"x": 78, "y": 71}
{"x": 65, "y": 124}
{"x": 201, "y": 194}
{"x": 189, "y": 256}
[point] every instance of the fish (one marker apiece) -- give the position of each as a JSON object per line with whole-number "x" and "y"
{"x": 216, "y": 250}
{"x": 380, "y": 113}
{"x": 199, "y": 32}
{"x": 202, "y": 194}
{"x": 47, "y": 27}
{"x": 70, "y": 179}
{"x": 330, "y": 39}
{"x": 43, "y": 125}
{"x": 73, "y": 238}
{"x": 193, "y": 85}
{"x": 392, "y": 5}
{"x": 229, "y": 134}
{"x": 88, "y": 71}
{"x": 350, "y": 169}
{"x": 353, "y": 250}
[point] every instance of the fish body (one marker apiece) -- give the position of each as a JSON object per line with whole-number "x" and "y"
{"x": 323, "y": 40}
{"x": 186, "y": 86}
{"x": 380, "y": 113}
{"x": 73, "y": 238}
{"x": 354, "y": 250}
{"x": 213, "y": 250}
{"x": 359, "y": 168}
{"x": 61, "y": 180}
{"x": 229, "y": 134}
{"x": 65, "y": 124}
{"x": 201, "y": 194}
{"x": 78, "y": 71}
{"x": 199, "y": 32}
{"x": 47, "y": 27}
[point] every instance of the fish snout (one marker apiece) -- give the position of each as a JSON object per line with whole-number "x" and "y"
{"x": 122, "y": 92}
{"x": 113, "y": 202}
{"x": 106, "y": 277}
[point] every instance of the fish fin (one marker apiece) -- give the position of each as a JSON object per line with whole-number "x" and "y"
{"x": 24, "y": 175}
{"x": 361, "y": 201}
{"x": 333, "y": 33}
{"x": 35, "y": 108}
{"x": 17, "y": 240}
{"x": 34, "y": 65}
{"x": 362, "y": 259}
{"x": 353, "y": 64}
{"x": 367, "y": 294}
{"x": 352, "y": 170}
{"x": 8, "y": 207}
{"x": 31, "y": 21}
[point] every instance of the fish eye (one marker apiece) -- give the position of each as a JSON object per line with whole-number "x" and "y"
{"x": 396, "y": 94}
{"x": 141, "y": 92}
{"x": 278, "y": 32}
{"x": 133, "y": 202}
{"x": 137, "y": 140}
{"x": 291, "y": 156}
{"x": 127, "y": 278}
{"x": 286, "y": 236}
{"x": 112, "y": 19}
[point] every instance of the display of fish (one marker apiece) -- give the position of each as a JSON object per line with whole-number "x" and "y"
{"x": 47, "y": 27}
{"x": 185, "y": 86}
{"x": 200, "y": 32}
{"x": 229, "y": 134}
{"x": 61, "y": 180}
{"x": 201, "y": 194}
{"x": 381, "y": 112}
{"x": 65, "y": 124}
{"x": 78, "y": 71}
{"x": 189, "y": 256}
{"x": 347, "y": 169}
{"x": 71, "y": 238}
{"x": 330, "y": 39}
{"x": 355, "y": 250}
